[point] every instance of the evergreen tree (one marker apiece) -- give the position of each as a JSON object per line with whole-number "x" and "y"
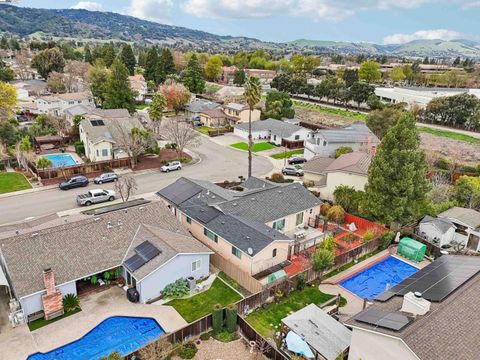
{"x": 87, "y": 55}
{"x": 397, "y": 183}
{"x": 151, "y": 65}
{"x": 97, "y": 79}
{"x": 167, "y": 62}
{"x": 142, "y": 57}
{"x": 192, "y": 77}
{"x": 128, "y": 59}
{"x": 14, "y": 44}
{"x": 118, "y": 94}
{"x": 108, "y": 54}
{"x": 4, "y": 43}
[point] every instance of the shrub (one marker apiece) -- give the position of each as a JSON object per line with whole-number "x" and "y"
{"x": 301, "y": 281}
{"x": 343, "y": 150}
{"x": 443, "y": 163}
{"x": 2, "y": 166}
{"x": 205, "y": 336}
{"x": 153, "y": 150}
{"x": 225, "y": 336}
{"x": 386, "y": 239}
{"x": 217, "y": 318}
{"x": 277, "y": 177}
{"x": 79, "y": 148}
{"x": 177, "y": 289}
{"x": 71, "y": 303}
{"x": 325, "y": 208}
{"x": 231, "y": 318}
{"x": 308, "y": 183}
{"x": 336, "y": 214}
{"x": 113, "y": 356}
{"x": 406, "y": 231}
{"x": 187, "y": 351}
{"x": 368, "y": 235}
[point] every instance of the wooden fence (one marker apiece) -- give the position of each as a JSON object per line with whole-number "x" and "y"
{"x": 84, "y": 169}
{"x": 242, "y": 277}
{"x": 432, "y": 249}
{"x": 194, "y": 329}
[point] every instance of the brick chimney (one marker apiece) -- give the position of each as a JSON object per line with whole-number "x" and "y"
{"x": 53, "y": 299}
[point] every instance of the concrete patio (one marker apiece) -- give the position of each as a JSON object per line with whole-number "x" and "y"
{"x": 20, "y": 342}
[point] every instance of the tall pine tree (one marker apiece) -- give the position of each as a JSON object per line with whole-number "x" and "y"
{"x": 167, "y": 62}
{"x": 151, "y": 65}
{"x": 192, "y": 77}
{"x": 118, "y": 94}
{"x": 128, "y": 59}
{"x": 87, "y": 55}
{"x": 397, "y": 184}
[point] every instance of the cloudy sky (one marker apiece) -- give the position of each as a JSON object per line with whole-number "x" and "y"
{"x": 379, "y": 21}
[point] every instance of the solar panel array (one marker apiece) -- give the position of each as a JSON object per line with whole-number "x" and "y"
{"x": 97, "y": 122}
{"x": 441, "y": 278}
{"x": 134, "y": 263}
{"x": 180, "y": 191}
{"x": 385, "y": 319}
{"x": 144, "y": 252}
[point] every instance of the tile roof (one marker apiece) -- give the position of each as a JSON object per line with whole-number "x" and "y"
{"x": 354, "y": 162}
{"x": 441, "y": 224}
{"x": 79, "y": 247}
{"x": 276, "y": 127}
{"x": 470, "y": 217}
{"x": 321, "y": 331}
{"x": 317, "y": 164}
{"x": 199, "y": 105}
{"x": 447, "y": 331}
{"x": 356, "y": 133}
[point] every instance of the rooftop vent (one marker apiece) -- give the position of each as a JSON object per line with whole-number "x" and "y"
{"x": 125, "y": 211}
{"x": 415, "y": 304}
{"x": 97, "y": 219}
{"x": 253, "y": 199}
{"x": 119, "y": 222}
{"x": 109, "y": 225}
{"x": 141, "y": 208}
{"x": 34, "y": 234}
{"x": 17, "y": 232}
{"x": 234, "y": 204}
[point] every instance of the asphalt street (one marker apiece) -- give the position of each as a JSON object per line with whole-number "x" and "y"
{"x": 218, "y": 163}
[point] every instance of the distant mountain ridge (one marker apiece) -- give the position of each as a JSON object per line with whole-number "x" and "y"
{"x": 103, "y": 26}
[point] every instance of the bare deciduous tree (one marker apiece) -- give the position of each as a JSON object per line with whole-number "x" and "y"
{"x": 159, "y": 349}
{"x": 75, "y": 75}
{"x": 181, "y": 134}
{"x": 125, "y": 186}
{"x": 23, "y": 59}
{"x": 132, "y": 140}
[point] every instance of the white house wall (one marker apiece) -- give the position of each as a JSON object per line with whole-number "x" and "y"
{"x": 335, "y": 179}
{"x": 33, "y": 303}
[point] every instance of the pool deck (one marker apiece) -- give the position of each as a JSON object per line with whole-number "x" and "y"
{"x": 18, "y": 343}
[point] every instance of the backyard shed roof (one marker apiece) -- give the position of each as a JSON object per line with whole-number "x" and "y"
{"x": 441, "y": 224}
{"x": 321, "y": 331}
{"x": 469, "y": 217}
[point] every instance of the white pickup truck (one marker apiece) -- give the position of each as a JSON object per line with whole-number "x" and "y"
{"x": 95, "y": 196}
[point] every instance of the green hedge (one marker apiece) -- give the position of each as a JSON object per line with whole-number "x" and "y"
{"x": 79, "y": 148}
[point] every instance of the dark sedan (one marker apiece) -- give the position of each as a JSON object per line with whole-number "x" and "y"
{"x": 296, "y": 160}
{"x": 74, "y": 182}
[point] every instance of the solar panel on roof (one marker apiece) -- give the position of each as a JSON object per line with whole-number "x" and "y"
{"x": 135, "y": 262}
{"x": 385, "y": 319}
{"x": 180, "y": 191}
{"x": 147, "y": 251}
{"x": 97, "y": 122}
{"x": 442, "y": 277}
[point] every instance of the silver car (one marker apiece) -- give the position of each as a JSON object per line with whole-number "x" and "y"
{"x": 171, "y": 166}
{"x": 95, "y": 196}
{"x": 290, "y": 170}
{"x": 106, "y": 177}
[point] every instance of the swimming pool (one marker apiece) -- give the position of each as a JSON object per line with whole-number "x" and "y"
{"x": 118, "y": 333}
{"x": 60, "y": 160}
{"x": 378, "y": 278}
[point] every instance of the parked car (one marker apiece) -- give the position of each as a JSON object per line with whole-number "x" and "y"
{"x": 290, "y": 170}
{"x": 197, "y": 123}
{"x": 73, "y": 182}
{"x": 296, "y": 160}
{"x": 171, "y": 166}
{"x": 95, "y": 196}
{"x": 106, "y": 177}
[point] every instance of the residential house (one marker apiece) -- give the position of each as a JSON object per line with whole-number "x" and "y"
{"x": 139, "y": 85}
{"x": 106, "y": 137}
{"x": 325, "y": 142}
{"x": 241, "y": 112}
{"x": 194, "y": 108}
{"x": 278, "y": 132}
{"x": 467, "y": 223}
{"x": 265, "y": 76}
{"x": 348, "y": 169}
{"x": 43, "y": 262}
{"x": 216, "y": 118}
{"x": 327, "y": 337}
{"x": 227, "y": 75}
{"x": 431, "y": 315}
{"x": 249, "y": 228}
{"x": 77, "y": 110}
{"x": 57, "y": 104}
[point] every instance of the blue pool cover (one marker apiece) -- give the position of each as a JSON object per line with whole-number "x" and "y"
{"x": 60, "y": 160}
{"x": 378, "y": 278}
{"x": 119, "y": 333}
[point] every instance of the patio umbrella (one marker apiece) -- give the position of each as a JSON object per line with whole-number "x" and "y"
{"x": 297, "y": 345}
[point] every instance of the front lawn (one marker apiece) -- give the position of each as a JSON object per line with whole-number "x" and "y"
{"x": 37, "y": 324}
{"x": 287, "y": 154}
{"x": 11, "y": 181}
{"x": 200, "y": 305}
{"x": 264, "y": 320}
{"x": 261, "y": 146}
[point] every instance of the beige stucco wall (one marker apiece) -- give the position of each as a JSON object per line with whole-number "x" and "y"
{"x": 308, "y": 176}
{"x": 242, "y": 116}
{"x": 367, "y": 345}
{"x": 290, "y": 220}
{"x": 208, "y": 121}
{"x": 335, "y": 179}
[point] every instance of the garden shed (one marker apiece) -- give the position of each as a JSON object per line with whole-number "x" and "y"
{"x": 411, "y": 249}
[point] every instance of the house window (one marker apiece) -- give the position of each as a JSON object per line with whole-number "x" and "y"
{"x": 324, "y": 143}
{"x": 189, "y": 220}
{"x": 299, "y": 219}
{"x": 236, "y": 252}
{"x": 98, "y": 153}
{"x": 104, "y": 152}
{"x": 279, "y": 225}
{"x": 274, "y": 252}
{"x": 297, "y": 137}
{"x": 210, "y": 235}
{"x": 196, "y": 265}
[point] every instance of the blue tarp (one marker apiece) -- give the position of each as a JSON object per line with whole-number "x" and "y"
{"x": 297, "y": 345}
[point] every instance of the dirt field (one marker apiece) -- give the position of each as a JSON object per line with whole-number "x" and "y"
{"x": 317, "y": 117}
{"x": 460, "y": 150}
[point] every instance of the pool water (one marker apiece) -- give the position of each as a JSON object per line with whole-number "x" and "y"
{"x": 60, "y": 160}
{"x": 119, "y": 333}
{"x": 378, "y": 278}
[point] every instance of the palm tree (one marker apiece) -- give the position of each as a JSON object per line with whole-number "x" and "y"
{"x": 252, "y": 93}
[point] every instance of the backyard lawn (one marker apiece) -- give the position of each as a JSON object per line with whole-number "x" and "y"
{"x": 261, "y": 146}
{"x": 200, "y": 305}
{"x": 287, "y": 154}
{"x": 11, "y": 181}
{"x": 263, "y": 320}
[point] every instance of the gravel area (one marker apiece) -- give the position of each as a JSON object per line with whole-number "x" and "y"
{"x": 216, "y": 350}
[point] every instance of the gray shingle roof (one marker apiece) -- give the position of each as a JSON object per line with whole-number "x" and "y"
{"x": 276, "y": 127}
{"x": 271, "y": 204}
{"x": 317, "y": 164}
{"x": 112, "y": 129}
{"x": 79, "y": 110}
{"x": 354, "y": 162}
{"x": 255, "y": 183}
{"x": 441, "y": 224}
{"x": 199, "y": 105}
{"x": 79, "y": 248}
{"x": 470, "y": 217}
{"x": 321, "y": 331}
{"x": 354, "y": 133}
{"x": 236, "y": 106}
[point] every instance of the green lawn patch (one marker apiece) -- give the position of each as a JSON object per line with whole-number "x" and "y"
{"x": 450, "y": 135}
{"x": 37, "y": 324}
{"x": 12, "y": 181}
{"x": 200, "y": 305}
{"x": 205, "y": 129}
{"x": 210, "y": 87}
{"x": 287, "y": 154}
{"x": 264, "y": 320}
{"x": 234, "y": 284}
{"x": 141, "y": 106}
{"x": 257, "y": 147}
{"x": 332, "y": 111}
